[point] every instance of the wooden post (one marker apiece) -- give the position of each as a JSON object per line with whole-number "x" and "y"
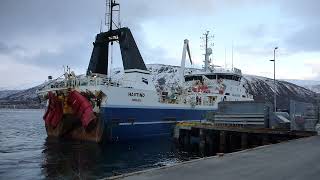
{"x": 209, "y": 140}
{"x": 244, "y": 141}
{"x": 232, "y": 140}
{"x": 202, "y": 143}
{"x": 265, "y": 139}
{"x": 186, "y": 141}
{"x": 181, "y": 137}
{"x": 223, "y": 142}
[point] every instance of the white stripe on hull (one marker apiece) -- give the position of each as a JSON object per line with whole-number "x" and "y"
{"x": 155, "y": 122}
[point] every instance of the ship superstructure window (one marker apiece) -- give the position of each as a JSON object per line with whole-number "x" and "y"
{"x": 193, "y": 78}
{"x": 211, "y": 76}
{"x": 214, "y": 77}
{"x": 236, "y": 78}
{"x": 229, "y": 77}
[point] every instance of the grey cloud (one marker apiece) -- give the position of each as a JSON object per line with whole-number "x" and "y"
{"x": 301, "y": 9}
{"x": 258, "y": 48}
{"x": 315, "y": 68}
{"x": 259, "y": 31}
{"x": 73, "y": 56}
{"x": 84, "y": 15}
{"x": 297, "y": 32}
{"x": 306, "y": 16}
{"x": 44, "y": 20}
{"x": 75, "y": 19}
{"x": 34, "y": 16}
{"x": 307, "y": 39}
{"x": 6, "y": 49}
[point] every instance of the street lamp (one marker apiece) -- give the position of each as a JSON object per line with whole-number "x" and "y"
{"x": 274, "y": 78}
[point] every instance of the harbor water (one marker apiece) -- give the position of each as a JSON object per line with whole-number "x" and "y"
{"x": 27, "y": 153}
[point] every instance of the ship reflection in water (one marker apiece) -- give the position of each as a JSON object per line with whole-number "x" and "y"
{"x": 27, "y": 153}
{"x": 64, "y": 159}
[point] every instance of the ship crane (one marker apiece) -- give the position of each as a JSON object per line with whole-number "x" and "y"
{"x": 183, "y": 59}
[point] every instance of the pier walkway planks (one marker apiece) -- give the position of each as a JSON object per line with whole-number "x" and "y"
{"x": 296, "y": 159}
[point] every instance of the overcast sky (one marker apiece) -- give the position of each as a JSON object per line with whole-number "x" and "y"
{"x": 38, "y": 37}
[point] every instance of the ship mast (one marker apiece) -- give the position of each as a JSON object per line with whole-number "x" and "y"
{"x": 110, "y": 10}
{"x": 208, "y": 50}
{"x": 109, "y": 22}
{"x": 101, "y": 57}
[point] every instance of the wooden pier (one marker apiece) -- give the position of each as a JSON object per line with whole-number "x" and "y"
{"x": 209, "y": 138}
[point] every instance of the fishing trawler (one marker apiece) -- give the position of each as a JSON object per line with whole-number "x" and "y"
{"x": 94, "y": 106}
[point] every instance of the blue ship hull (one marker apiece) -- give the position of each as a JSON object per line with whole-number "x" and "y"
{"x": 134, "y": 123}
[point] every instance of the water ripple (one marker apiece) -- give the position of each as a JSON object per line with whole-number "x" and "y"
{"x": 26, "y": 152}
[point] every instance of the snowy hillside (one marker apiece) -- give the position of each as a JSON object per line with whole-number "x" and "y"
{"x": 309, "y": 84}
{"x": 166, "y": 76}
{"x": 21, "y": 98}
{"x": 6, "y": 93}
{"x": 315, "y": 88}
{"x": 263, "y": 90}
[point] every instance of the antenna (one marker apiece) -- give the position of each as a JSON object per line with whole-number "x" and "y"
{"x": 111, "y": 61}
{"x": 208, "y": 51}
{"x": 232, "y": 55}
{"x": 101, "y": 26}
{"x": 225, "y": 57}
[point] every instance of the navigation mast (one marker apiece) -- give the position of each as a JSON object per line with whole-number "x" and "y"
{"x": 110, "y": 10}
{"x": 111, "y": 7}
{"x": 208, "y": 50}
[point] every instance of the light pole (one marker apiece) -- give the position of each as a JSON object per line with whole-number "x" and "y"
{"x": 274, "y": 78}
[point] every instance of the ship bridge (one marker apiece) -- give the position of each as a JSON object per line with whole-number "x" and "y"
{"x": 217, "y": 74}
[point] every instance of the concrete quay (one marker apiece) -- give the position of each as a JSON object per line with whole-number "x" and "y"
{"x": 295, "y": 160}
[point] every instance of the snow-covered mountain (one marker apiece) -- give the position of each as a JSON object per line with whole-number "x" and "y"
{"x": 6, "y": 93}
{"x": 166, "y": 76}
{"x": 21, "y": 98}
{"x": 315, "y": 88}
{"x": 309, "y": 84}
{"x": 262, "y": 89}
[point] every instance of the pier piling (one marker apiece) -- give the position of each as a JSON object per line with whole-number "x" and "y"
{"x": 210, "y": 139}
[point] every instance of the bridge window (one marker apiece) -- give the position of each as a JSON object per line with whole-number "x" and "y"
{"x": 223, "y": 76}
{"x": 211, "y": 76}
{"x": 229, "y": 77}
{"x": 236, "y": 78}
{"x": 193, "y": 78}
